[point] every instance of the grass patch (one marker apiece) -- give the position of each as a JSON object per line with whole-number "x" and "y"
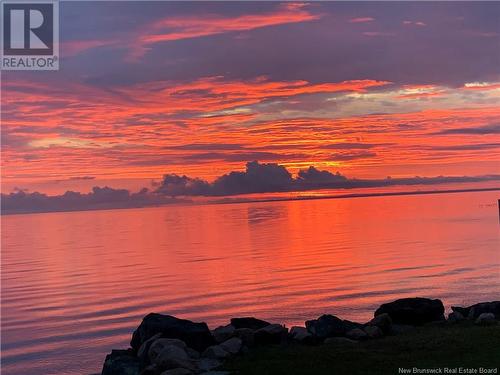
{"x": 461, "y": 345}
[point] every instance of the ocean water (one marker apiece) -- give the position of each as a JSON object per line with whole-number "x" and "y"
{"x": 75, "y": 285}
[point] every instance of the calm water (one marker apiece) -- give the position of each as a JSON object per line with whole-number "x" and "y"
{"x": 74, "y": 285}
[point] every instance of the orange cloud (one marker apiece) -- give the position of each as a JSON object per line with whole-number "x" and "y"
{"x": 60, "y": 131}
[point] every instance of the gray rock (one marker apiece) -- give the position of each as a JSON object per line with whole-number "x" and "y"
{"x": 223, "y": 333}
{"x": 486, "y": 319}
{"x": 382, "y": 321}
{"x": 157, "y": 346}
{"x": 195, "y": 335}
{"x": 216, "y": 352}
{"x": 455, "y": 317}
{"x": 172, "y": 357}
{"x": 207, "y": 364}
{"x": 373, "y": 332}
{"x": 473, "y": 311}
{"x": 249, "y": 322}
{"x": 121, "y": 362}
{"x": 143, "y": 351}
{"x": 356, "y": 334}
{"x": 233, "y": 345}
{"x": 247, "y": 335}
{"x": 271, "y": 334}
{"x": 300, "y": 334}
{"x": 177, "y": 371}
{"x": 413, "y": 311}
{"x": 339, "y": 341}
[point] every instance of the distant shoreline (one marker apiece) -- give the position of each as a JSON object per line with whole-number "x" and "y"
{"x": 277, "y": 199}
{"x": 363, "y": 195}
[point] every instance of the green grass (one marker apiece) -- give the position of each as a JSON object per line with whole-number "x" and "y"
{"x": 465, "y": 346}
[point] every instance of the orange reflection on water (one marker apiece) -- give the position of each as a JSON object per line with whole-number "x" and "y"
{"x": 85, "y": 279}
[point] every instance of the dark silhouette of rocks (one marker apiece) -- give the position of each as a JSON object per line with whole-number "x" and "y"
{"x": 413, "y": 311}
{"x": 166, "y": 345}
{"x": 195, "y": 335}
{"x": 271, "y": 334}
{"x": 121, "y": 362}
{"x": 382, "y": 321}
{"x": 249, "y": 322}
{"x": 330, "y": 326}
{"x": 474, "y": 311}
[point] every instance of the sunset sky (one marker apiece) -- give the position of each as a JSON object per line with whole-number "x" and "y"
{"x": 367, "y": 89}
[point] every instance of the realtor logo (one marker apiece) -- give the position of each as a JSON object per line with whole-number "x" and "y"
{"x": 30, "y": 35}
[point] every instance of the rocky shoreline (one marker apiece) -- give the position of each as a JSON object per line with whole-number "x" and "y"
{"x": 166, "y": 345}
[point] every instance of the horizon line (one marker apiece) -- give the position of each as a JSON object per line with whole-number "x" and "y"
{"x": 264, "y": 200}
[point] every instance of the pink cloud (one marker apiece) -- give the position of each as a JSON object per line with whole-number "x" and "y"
{"x": 361, "y": 19}
{"x": 178, "y": 28}
{"x": 188, "y": 27}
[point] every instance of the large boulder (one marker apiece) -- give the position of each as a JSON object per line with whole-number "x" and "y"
{"x": 330, "y": 326}
{"x": 473, "y": 312}
{"x": 143, "y": 351}
{"x": 172, "y": 357}
{"x": 486, "y": 319}
{"x": 249, "y": 322}
{"x": 195, "y": 335}
{"x": 121, "y": 362}
{"x": 455, "y": 317}
{"x": 413, "y": 311}
{"x": 159, "y": 344}
{"x": 301, "y": 334}
{"x": 233, "y": 345}
{"x": 271, "y": 334}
